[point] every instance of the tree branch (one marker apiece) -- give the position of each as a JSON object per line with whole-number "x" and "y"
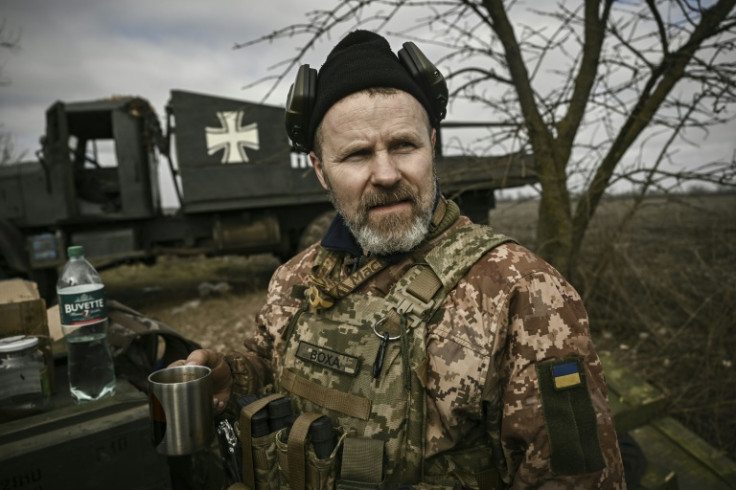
{"x": 660, "y": 25}
{"x": 539, "y": 134}
{"x": 321, "y": 24}
{"x": 487, "y": 75}
{"x": 585, "y": 79}
{"x": 662, "y": 80}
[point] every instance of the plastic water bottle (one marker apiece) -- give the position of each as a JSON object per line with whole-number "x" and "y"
{"x": 84, "y": 322}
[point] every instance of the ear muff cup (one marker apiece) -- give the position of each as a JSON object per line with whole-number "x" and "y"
{"x": 428, "y": 77}
{"x": 299, "y": 104}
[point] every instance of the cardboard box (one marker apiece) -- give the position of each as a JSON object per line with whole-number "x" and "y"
{"x": 23, "y": 312}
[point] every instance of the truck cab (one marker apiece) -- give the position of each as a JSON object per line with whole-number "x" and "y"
{"x": 73, "y": 181}
{"x": 97, "y": 165}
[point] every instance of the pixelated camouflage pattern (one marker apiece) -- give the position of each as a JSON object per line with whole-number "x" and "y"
{"x": 264, "y": 456}
{"x": 348, "y": 328}
{"x": 510, "y": 311}
{"x": 353, "y": 326}
{"x": 319, "y": 473}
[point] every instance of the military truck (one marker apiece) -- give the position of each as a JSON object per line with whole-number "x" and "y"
{"x": 241, "y": 189}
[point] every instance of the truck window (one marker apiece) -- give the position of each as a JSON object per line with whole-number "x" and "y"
{"x": 96, "y": 177}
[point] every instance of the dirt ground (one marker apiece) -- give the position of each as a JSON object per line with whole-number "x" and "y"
{"x": 210, "y": 300}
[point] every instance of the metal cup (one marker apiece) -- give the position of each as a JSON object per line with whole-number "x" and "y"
{"x": 180, "y": 402}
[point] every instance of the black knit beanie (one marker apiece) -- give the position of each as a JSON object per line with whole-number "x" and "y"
{"x": 361, "y": 60}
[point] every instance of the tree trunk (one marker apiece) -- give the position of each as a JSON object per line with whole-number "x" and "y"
{"x": 554, "y": 224}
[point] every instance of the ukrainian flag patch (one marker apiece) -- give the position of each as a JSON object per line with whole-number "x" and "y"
{"x": 566, "y": 375}
{"x": 570, "y": 417}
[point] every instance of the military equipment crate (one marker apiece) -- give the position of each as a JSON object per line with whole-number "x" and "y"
{"x": 103, "y": 444}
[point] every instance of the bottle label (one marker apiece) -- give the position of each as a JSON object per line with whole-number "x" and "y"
{"x": 82, "y": 308}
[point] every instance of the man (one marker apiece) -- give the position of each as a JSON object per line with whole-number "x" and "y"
{"x": 443, "y": 353}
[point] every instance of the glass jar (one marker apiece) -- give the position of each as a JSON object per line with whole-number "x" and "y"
{"x": 24, "y": 379}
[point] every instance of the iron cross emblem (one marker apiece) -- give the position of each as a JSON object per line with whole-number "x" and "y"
{"x": 232, "y": 136}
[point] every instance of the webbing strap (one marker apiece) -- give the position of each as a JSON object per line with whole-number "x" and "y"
{"x": 297, "y": 453}
{"x": 349, "y": 404}
{"x": 425, "y": 285}
{"x": 439, "y": 213}
{"x": 362, "y": 460}
{"x": 457, "y": 252}
{"x": 443, "y": 267}
{"x": 246, "y": 415}
{"x": 325, "y": 290}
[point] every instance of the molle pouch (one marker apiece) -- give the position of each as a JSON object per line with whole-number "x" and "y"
{"x": 264, "y": 462}
{"x": 307, "y": 453}
{"x": 362, "y": 465}
{"x": 259, "y": 444}
{"x": 282, "y": 458}
{"x": 355, "y": 366}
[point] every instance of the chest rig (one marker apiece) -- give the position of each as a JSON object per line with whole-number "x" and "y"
{"x": 362, "y": 361}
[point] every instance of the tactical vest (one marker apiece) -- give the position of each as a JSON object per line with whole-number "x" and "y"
{"x": 362, "y": 362}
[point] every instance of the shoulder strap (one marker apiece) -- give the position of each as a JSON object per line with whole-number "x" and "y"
{"x": 424, "y": 286}
{"x": 457, "y": 253}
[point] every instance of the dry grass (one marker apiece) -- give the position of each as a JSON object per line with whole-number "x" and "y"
{"x": 666, "y": 302}
{"x": 212, "y": 301}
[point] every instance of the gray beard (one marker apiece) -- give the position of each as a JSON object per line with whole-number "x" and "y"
{"x": 395, "y": 241}
{"x": 393, "y": 238}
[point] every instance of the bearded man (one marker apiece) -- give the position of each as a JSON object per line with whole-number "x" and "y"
{"x": 439, "y": 353}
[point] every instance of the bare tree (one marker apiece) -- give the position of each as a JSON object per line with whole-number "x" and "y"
{"x": 9, "y": 42}
{"x": 577, "y": 84}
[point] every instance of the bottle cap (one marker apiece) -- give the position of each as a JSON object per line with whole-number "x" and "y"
{"x": 75, "y": 251}
{"x": 17, "y": 343}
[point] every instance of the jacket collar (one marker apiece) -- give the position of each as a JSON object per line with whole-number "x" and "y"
{"x": 339, "y": 238}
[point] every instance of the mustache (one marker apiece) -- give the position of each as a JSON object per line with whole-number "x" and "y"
{"x": 387, "y": 197}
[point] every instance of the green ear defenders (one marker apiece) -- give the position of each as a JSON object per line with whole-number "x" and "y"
{"x": 303, "y": 93}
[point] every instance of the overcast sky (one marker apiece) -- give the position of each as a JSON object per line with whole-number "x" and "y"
{"x": 72, "y": 50}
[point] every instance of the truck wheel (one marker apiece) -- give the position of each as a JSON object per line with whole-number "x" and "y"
{"x": 316, "y": 229}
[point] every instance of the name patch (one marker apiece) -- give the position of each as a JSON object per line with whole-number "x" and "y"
{"x": 328, "y": 358}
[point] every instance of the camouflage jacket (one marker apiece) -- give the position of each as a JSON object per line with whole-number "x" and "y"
{"x": 509, "y": 319}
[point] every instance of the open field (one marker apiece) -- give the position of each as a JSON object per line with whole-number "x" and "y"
{"x": 665, "y": 302}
